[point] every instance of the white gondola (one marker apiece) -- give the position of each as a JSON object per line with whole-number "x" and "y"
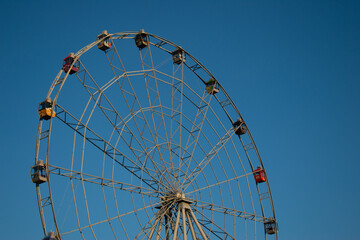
{"x": 271, "y": 226}
{"x": 239, "y": 127}
{"x": 178, "y": 56}
{"x": 141, "y": 39}
{"x": 38, "y": 173}
{"x": 50, "y": 236}
{"x": 104, "y": 44}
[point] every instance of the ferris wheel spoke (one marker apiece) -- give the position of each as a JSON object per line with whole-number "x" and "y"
{"x": 107, "y": 148}
{"x": 212, "y": 129}
{"x": 176, "y": 116}
{"x": 216, "y": 232}
{"x": 158, "y": 166}
{"x": 220, "y": 183}
{"x": 90, "y": 84}
{"x": 212, "y": 153}
{"x": 108, "y": 109}
{"x": 176, "y": 146}
{"x": 196, "y": 128}
{"x": 176, "y": 79}
{"x": 157, "y": 99}
{"x": 177, "y": 88}
{"x": 220, "y": 160}
{"x": 181, "y": 173}
{"x": 72, "y": 174}
{"x": 159, "y": 228}
{"x": 149, "y": 229}
{"x": 108, "y": 215}
{"x": 131, "y": 104}
{"x": 110, "y": 219}
{"x": 103, "y": 101}
{"x": 228, "y": 211}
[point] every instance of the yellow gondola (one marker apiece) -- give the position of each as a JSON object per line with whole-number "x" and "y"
{"x": 45, "y": 109}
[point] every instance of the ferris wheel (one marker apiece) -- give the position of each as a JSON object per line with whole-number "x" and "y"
{"x": 138, "y": 140}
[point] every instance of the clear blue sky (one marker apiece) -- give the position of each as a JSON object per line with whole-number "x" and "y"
{"x": 291, "y": 67}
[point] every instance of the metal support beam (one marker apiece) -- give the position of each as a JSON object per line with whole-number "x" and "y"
{"x": 184, "y": 222}
{"x": 191, "y": 226}
{"x": 167, "y": 237}
{"x": 153, "y": 229}
{"x": 159, "y": 229}
{"x": 177, "y": 225}
{"x": 72, "y": 174}
{"x": 198, "y": 224}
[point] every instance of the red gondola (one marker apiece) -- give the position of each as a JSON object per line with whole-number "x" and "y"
{"x": 259, "y": 175}
{"x": 68, "y": 61}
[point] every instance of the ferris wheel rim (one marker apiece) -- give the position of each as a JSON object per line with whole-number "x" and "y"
{"x": 82, "y": 51}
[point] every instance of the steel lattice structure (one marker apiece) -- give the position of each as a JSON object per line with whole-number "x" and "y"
{"x": 139, "y": 149}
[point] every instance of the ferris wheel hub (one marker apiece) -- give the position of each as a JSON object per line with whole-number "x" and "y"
{"x": 180, "y": 195}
